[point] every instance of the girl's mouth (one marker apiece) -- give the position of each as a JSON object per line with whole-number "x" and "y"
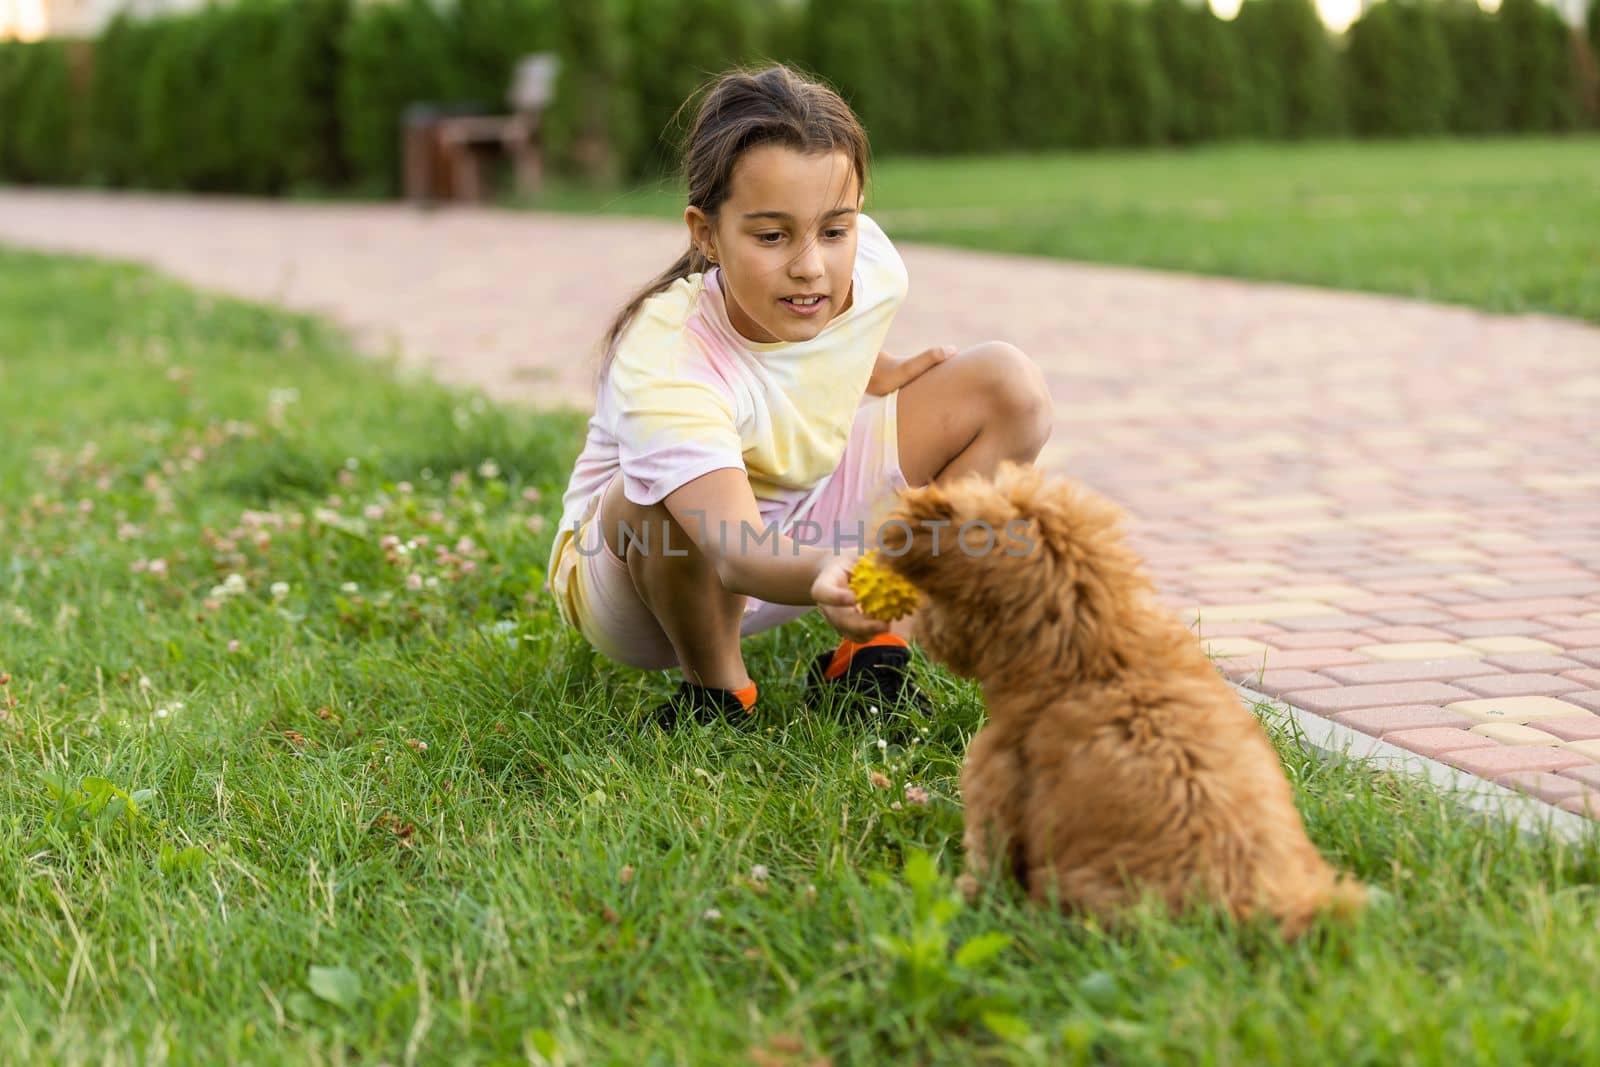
{"x": 805, "y": 310}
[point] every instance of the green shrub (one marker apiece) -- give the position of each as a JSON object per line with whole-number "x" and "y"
{"x": 394, "y": 55}
{"x": 175, "y": 101}
{"x": 1037, "y": 51}
{"x": 1482, "y": 61}
{"x": 41, "y": 112}
{"x": 1399, "y": 75}
{"x": 677, "y": 46}
{"x": 880, "y": 74}
{"x": 959, "y": 92}
{"x": 1293, "y": 70}
{"x": 1203, "y": 67}
{"x": 1587, "y": 46}
{"x": 1120, "y": 87}
{"x": 11, "y": 70}
{"x": 592, "y": 126}
{"x": 269, "y": 96}
{"x": 307, "y": 64}
{"x": 237, "y": 98}
{"x": 121, "y": 57}
{"x": 1544, "y": 91}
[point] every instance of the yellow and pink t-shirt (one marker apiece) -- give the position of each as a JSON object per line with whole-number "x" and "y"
{"x": 686, "y": 394}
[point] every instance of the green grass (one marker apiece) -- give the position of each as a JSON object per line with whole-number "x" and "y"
{"x": 1506, "y": 225}
{"x": 426, "y": 825}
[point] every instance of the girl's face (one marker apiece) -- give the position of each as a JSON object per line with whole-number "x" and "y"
{"x": 787, "y": 231}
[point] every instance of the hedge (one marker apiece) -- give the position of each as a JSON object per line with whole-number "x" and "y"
{"x": 1401, "y": 80}
{"x": 270, "y": 96}
{"x": 1543, "y": 78}
{"x": 1207, "y": 84}
{"x": 236, "y": 98}
{"x": 41, "y": 113}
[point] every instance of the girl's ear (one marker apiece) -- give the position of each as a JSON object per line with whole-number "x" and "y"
{"x": 701, "y": 233}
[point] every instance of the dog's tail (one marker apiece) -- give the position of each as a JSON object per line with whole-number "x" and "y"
{"x": 1346, "y": 899}
{"x": 1340, "y": 900}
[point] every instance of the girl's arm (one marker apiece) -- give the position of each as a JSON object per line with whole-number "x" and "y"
{"x": 719, "y": 511}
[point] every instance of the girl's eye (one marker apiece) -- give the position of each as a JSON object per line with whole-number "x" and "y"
{"x": 835, "y": 234}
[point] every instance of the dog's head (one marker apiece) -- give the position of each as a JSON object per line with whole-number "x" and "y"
{"x": 1020, "y": 569}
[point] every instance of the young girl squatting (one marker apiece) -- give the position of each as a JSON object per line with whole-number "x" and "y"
{"x": 745, "y": 389}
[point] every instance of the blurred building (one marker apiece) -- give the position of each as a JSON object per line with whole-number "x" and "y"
{"x": 28, "y": 20}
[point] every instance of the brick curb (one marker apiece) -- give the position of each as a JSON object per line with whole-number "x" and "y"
{"x": 1331, "y": 741}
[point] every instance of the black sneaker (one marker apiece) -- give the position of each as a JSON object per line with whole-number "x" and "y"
{"x": 876, "y": 673}
{"x": 704, "y": 704}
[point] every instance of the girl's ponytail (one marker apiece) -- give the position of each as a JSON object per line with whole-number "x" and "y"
{"x": 691, "y": 262}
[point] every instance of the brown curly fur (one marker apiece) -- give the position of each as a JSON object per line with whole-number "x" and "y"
{"x": 1116, "y": 761}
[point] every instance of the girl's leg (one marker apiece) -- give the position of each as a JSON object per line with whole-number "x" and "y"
{"x": 986, "y": 404}
{"x": 682, "y": 590}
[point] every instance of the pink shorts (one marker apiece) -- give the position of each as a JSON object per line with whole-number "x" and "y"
{"x": 596, "y": 594}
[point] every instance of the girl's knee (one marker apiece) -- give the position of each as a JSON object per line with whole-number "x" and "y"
{"x": 1017, "y": 395}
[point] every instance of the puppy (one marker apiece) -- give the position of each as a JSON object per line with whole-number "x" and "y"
{"x": 1116, "y": 761}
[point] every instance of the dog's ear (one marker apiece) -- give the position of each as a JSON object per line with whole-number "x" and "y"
{"x": 1097, "y": 580}
{"x": 909, "y": 535}
{"x": 928, "y": 503}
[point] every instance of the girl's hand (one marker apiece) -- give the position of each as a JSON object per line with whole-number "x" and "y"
{"x": 889, "y": 374}
{"x": 831, "y": 591}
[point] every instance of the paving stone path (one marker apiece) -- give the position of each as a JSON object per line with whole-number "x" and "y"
{"x": 1381, "y": 512}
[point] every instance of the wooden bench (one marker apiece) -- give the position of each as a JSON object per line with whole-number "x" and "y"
{"x": 443, "y": 150}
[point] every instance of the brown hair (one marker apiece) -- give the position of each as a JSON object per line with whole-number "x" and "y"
{"x": 740, "y": 110}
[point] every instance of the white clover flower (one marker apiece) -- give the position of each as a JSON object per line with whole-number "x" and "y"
{"x": 234, "y": 584}
{"x": 349, "y": 588}
{"x": 488, "y": 469}
{"x": 759, "y": 872}
{"x": 280, "y": 590}
{"x": 882, "y": 745}
{"x": 711, "y": 915}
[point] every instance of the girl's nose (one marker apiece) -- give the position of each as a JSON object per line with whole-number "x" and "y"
{"x": 808, "y": 263}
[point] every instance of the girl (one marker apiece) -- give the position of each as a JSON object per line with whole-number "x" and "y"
{"x": 747, "y": 426}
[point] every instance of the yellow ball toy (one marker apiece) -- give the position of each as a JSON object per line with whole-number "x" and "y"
{"x": 880, "y": 593}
